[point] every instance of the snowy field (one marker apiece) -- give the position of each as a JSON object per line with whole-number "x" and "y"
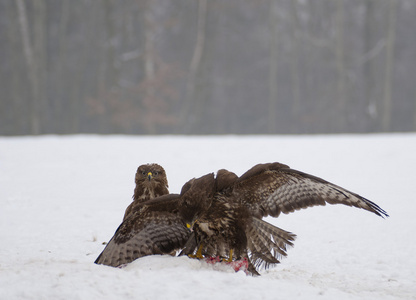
{"x": 61, "y": 197}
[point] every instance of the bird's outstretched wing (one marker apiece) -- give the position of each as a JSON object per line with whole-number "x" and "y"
{"x": 153, "y": 228}
{"x": 270, "y": 189}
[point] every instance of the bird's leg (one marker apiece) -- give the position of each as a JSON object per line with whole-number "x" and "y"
{"x": 198, "y": 253}
{"x": 230, "y": 257}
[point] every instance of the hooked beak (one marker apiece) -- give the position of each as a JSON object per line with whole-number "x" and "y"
{"x": 149, "y": 175}
{"x": 191, "y": 226}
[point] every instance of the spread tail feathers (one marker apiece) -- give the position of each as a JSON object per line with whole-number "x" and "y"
{"x": 267, "y": 243}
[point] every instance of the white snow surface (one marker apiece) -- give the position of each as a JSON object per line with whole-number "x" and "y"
{"x": 61, "y": 197}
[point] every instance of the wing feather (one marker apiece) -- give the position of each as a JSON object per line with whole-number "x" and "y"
{"x": 154, "y": 227}
{"x": 159, "y": 233}
{"x": 284, "y": 190}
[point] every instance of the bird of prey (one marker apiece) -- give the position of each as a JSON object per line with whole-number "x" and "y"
{"x": 151, "y": 182}
{"x": 221, "y": 216}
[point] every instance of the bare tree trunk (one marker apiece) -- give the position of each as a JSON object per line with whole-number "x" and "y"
{"x": 341, "y": 115}
{"x": 273, "y": 93}
{"x": 149, "y": 62}
{"x": 62, "y": 82}
{"x": 391, "y": 36}
{"x": 149, "y": 56}
{"x": 40, "y": 54}
{"x": 295, "y": 65}
{"x": 106, "y": 64}
{"x": 370, "y": 71}
{"x": 194, "y": 66}
{"x": 31, "y": 66}
{"x": 17, "y": 82}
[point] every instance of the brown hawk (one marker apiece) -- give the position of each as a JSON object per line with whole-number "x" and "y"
{"x": 151, "y": 182}
{"x": 222, "y": 216}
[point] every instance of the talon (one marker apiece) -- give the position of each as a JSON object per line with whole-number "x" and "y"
{"x": 230, "y": 257}
{"x": 198, "y": 253}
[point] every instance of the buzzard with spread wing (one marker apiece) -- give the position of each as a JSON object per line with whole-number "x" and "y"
{"x": 222, "y": 216}
{"x": 155, "y": 226}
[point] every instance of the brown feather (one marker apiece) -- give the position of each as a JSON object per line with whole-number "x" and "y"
{"x": 154, "y": 227}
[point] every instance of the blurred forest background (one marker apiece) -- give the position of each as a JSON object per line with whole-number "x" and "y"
{"x": 207, "y": 66}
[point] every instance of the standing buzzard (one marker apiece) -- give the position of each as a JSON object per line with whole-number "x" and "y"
{"x": 151, "y": 182}
{"x": 222, "y": 216}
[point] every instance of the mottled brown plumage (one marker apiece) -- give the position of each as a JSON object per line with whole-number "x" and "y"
{"x": 153, "y": 227}
{"x": 151, "y": 182}
{"x": 156, "y": 226}
{"x": 224, "y": 215}
{"x": 232, "y": 220}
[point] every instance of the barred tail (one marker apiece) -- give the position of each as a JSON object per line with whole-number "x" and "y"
{"x": 267, "y": 243}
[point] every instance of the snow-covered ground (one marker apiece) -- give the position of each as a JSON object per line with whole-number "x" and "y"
{"x": 61, "y": 197}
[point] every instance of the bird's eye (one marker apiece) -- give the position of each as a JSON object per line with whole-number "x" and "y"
{"x": 156, "y": 173}
{"x": 144, "y": 173}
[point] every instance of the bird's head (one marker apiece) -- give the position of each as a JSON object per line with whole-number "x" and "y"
{"x": 225, "y": 180}
{"x": 150, "y": 180}
{"x": 151, "y": 173}
{"x": 196, "y": 197}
